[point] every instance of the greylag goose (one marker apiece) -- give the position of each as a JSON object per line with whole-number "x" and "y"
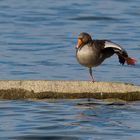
{"x": 91, "y": 53}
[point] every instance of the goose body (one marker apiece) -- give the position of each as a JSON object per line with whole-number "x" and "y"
{"x": 91, "y": 53}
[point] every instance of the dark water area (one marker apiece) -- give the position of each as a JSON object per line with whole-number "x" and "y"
{"x": 69, "y": 120}
{"x": 37, "y": 41}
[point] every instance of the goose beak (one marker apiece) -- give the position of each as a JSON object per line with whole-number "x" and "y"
{"x": 79, "y": 42}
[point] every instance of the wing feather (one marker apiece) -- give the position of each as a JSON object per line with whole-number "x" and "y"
{"x": 116, "y": 47}
{"x": 122, "y": 54}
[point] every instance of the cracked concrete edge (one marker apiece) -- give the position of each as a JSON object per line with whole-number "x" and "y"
{"x": 44, "y": 89}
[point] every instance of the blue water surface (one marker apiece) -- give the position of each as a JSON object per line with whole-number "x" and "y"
{"x": 69, "y": 120}
{"x": 37, "y": 41}
{"x": 38, "y": 38}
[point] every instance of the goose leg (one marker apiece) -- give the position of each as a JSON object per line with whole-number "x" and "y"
{"x": 90, "y": 72}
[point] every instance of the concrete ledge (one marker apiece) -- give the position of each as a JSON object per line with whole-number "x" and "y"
{"x": 41, "y": 89}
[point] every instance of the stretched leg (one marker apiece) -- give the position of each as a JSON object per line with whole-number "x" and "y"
{"x": 90, "y": 72}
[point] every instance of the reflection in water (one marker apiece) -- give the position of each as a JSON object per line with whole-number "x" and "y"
{"x": 93, "y": 18}
{"x": 68, "y": 119}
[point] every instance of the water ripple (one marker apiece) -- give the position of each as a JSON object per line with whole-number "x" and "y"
{"x": 68, "y": 119}
{"x": 88, "y": 18}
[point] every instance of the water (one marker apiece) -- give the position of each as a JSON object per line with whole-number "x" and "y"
{"x": 69, "y": 119}
{"x": 37, "y": 40}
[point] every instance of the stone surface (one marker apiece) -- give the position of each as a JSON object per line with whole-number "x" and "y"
{"x": 41, "y": 89}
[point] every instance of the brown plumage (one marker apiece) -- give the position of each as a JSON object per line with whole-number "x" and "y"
{"x": 91, "y": 53}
